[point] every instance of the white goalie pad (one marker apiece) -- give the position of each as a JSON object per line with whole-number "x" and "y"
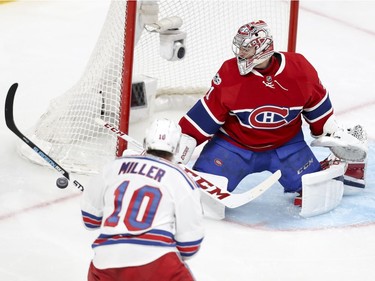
{"x": 211, "y": 208}
{"x": 354, "y": 178}
{"x": 350, "y": 145}
{"x": 322, "y": 191}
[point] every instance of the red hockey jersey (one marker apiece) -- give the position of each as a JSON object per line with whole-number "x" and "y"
{"x": 262, "y": 110}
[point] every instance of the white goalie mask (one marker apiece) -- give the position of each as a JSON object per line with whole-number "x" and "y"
{"x": 164, "y": 135}
{"x": 252, "y": 45}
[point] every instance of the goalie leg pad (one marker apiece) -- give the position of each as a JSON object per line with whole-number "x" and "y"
{"x": 354, "y": 178}
{"x": 322, "y": 191}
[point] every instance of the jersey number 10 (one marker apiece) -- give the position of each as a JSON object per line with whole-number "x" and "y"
{"x": 141, "y": 210}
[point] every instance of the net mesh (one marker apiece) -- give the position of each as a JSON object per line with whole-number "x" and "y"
{"x": 68, "y": 132}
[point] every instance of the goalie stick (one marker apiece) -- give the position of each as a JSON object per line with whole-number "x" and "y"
{"x": 230, "y": 200}
{"x": 9, "y": 120}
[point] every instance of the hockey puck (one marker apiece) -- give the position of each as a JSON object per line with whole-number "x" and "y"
{"x": 62, "y": 182}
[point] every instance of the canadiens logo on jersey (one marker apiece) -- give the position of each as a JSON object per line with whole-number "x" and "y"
{"x": 267, "y": 117}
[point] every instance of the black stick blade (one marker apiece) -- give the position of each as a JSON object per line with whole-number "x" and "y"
{"x": 9, "y": 120}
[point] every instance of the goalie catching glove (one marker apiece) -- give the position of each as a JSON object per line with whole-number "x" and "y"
{"x": 347, "y": 144}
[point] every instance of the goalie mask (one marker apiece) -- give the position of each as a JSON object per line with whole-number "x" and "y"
{"x": 163, "y": 135}
{"x": 252, "y": 45}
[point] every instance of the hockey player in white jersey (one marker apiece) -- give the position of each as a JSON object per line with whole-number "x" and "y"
{"x": 148, "y": 212}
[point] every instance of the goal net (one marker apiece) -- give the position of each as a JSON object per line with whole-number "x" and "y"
{"x": 148, "y": 55}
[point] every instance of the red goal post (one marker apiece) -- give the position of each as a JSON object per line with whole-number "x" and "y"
{"x": 136, "y": 65}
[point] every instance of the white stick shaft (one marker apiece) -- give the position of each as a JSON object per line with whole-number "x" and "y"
{"x": 120, "y": 134}
{"x": 230, "y": 200}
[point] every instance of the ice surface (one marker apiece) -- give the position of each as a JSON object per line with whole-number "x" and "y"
{"x": 44, "y": 46}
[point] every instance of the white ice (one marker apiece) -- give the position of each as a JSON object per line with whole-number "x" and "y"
{"x": 44, "y": 46}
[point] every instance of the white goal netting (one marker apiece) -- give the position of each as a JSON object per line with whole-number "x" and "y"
{"x": 68, "y": 132}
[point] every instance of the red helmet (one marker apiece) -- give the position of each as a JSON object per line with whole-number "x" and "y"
{"x": 252, "y": 45}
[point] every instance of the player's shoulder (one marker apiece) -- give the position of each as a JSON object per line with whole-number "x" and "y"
{"x": 296, "y": 61}
{"x": 228, "y": 73}
{"x": 293, "y": 57}
{"x": 174, "y": 171}
{"x": 229, "y": 65}
{"x": 153, "y": 160}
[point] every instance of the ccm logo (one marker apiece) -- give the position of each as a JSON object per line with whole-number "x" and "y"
{"x": 204, "y": 184}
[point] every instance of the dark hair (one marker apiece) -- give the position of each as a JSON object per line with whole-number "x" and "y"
{"x": 160, "y": 153}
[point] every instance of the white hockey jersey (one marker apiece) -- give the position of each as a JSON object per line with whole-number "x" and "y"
{"x": 145, "y": 207}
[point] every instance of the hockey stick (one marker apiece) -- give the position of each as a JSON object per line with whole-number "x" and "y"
{"x": 9, "y": 120}
{"x": 230, "y": 200}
